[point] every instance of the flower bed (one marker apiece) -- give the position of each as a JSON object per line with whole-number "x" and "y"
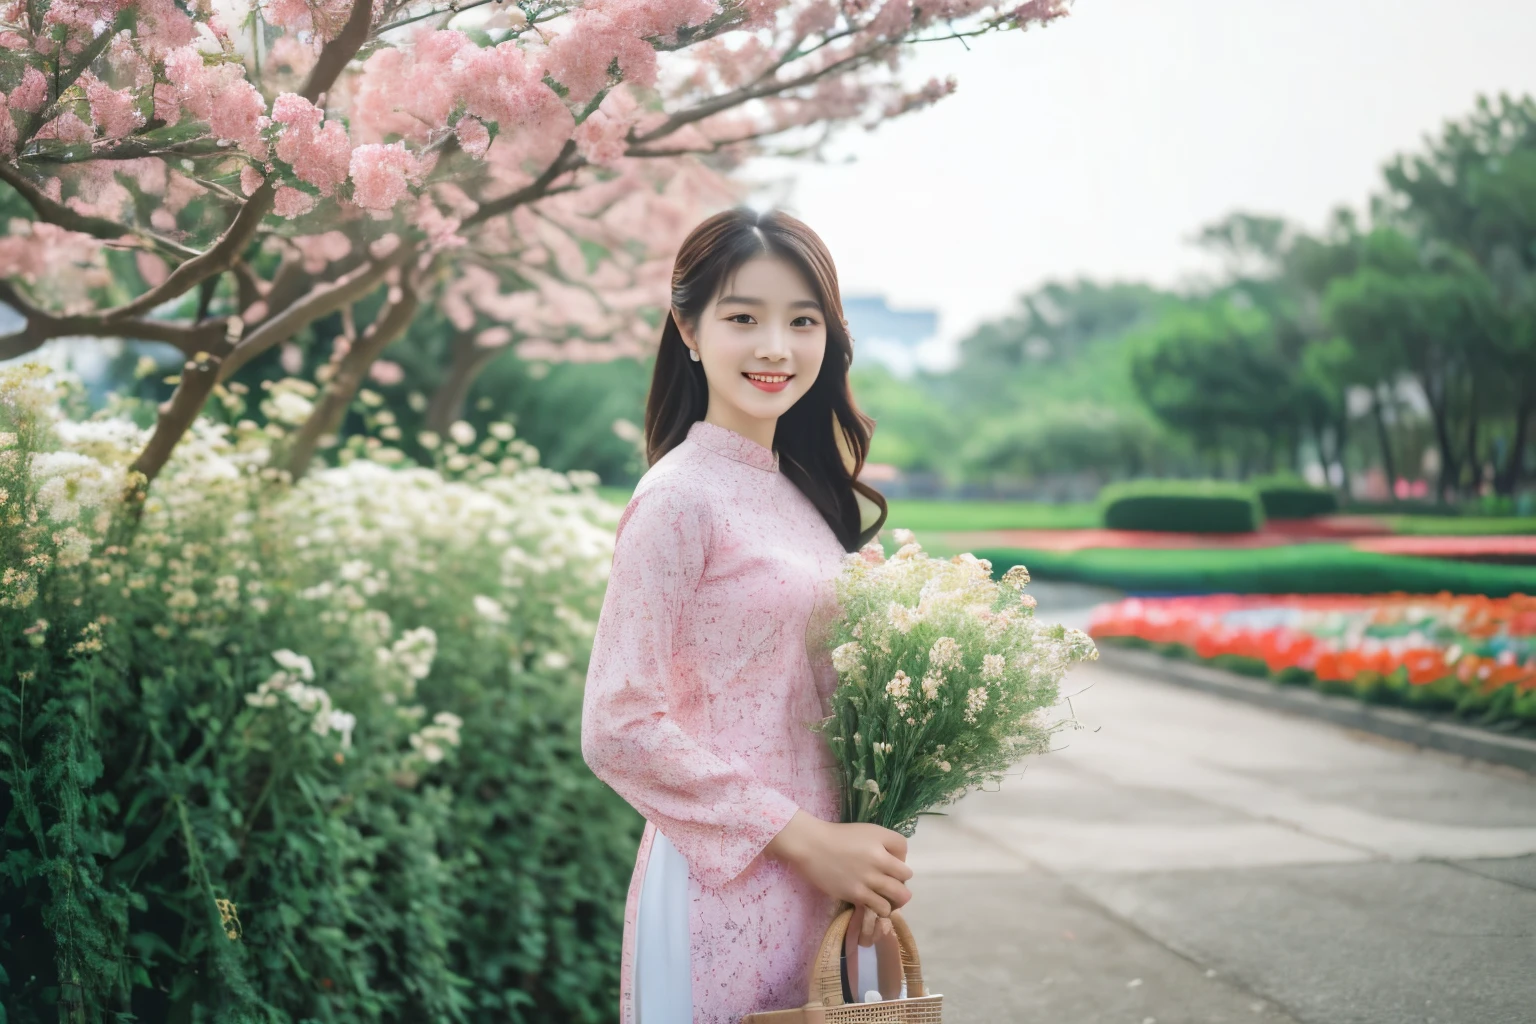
{"x": 1465, "y": 653}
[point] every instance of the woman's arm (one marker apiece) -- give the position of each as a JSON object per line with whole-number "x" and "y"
{"x": 719, "y": 815}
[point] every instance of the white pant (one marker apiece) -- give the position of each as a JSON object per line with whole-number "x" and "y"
{"x": 663, "y": 951}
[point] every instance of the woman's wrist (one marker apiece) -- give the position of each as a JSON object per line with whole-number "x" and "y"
{"x": 792, "y": 842}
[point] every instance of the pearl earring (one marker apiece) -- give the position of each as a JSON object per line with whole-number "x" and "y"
{"x": 693, "y": 354}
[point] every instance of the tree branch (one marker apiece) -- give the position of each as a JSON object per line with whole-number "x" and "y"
{"x": 567, "y": 160}
{"x": 57, "y": 213}
{"x": 43, "y": 326}
{"x": 331, "y": 410}
{"x": 333, "y": 58}
{"x": 321, "y": 300}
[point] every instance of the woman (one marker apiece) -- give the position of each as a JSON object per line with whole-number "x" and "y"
{"x": 706, "y": 665}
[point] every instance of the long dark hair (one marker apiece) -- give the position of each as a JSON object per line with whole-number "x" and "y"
{"x": 806, "y": 436}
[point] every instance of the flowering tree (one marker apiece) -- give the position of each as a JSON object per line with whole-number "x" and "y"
{"x": 219, "y": 175}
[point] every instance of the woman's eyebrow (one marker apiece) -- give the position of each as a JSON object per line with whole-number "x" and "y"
{"x": 748, "y": 301}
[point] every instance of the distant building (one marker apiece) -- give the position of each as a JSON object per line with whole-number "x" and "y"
{"x": 888, "y": 336}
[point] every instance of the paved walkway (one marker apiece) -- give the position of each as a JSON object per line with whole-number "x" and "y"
{"x": 1200, "y": 860}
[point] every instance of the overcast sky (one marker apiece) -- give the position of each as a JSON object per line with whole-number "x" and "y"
{"x": 1099, "y": 145}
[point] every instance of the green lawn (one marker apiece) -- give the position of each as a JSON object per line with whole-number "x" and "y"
{"x": 920, "y": 514}
{"x": 1461, "y": 526}
{"x": 1300, "y": 568}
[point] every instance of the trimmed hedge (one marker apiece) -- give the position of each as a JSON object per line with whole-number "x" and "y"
{"x": 1292, "y": 569}
{"x": 1291, "y": 498}
{"x": 1182, "y": 506}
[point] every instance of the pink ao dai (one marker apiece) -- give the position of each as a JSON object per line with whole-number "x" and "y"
{"x": 706, "y": 671}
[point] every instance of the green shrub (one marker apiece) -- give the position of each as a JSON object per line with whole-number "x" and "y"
{"x": 311, "y": 752}
{"x": 1292, "y": 498}
{"x": 1183, "y": 506}
{"x": 1285, "y": 569}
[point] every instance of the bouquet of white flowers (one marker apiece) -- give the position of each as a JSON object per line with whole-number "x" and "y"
{"x": 943, "y": 676}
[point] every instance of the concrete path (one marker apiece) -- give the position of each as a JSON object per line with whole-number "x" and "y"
{"x": 1192, "y": 859}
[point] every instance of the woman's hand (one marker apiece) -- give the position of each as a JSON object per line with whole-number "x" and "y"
{"x": 859, "y": 863}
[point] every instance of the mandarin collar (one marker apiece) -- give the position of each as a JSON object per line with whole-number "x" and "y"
{"x": 725, "y": 441}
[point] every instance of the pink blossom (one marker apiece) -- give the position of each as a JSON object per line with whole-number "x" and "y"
{"x": 38, "y": 251}
{"x": 455, "y": 198}
{"x": 98, "y": 193}
{"x": 162, "y": 219}
{"x": 494, "y": 337}
{"x": 291, "y": 358}
{"x": 13, "y": 41}
{"x": 578, "y": 58}
{"x": 289, "y": 14}
{"x": 474, "y": 137}
{"x": 162, "y": 28}
{"x": 441, "y": 231}
{"x": 129, "y": 63}
{"x": 32, "y": 92}
{"x": 318, "y": 156}
{"x": 151, "y": 268}
{"x": 67, "y": 128}
{"x": 318, "y": 250}
{"x": 114, "y": 111}
{"x": 220, "y": 95}
{"x": 933, "y": 91}
{"x": 82, "y": 17}
{"x": 381, "y": 247}
{"x": 148, "y": 172}
{"x": 380, "y": 175}
{"x": 167, "y": 103}
{"x": 815, "y": 18}
{"x": 290, "y": 202}
{"x": 294, "y": 54}
{"x": 180, "y": 191}
{"x": 250, "y": 179}
{"x": 1039, "y": 12}
{"x": 601, "y": 137}
{"x": 411, "y": 92}
{"x": 386, "y": 373}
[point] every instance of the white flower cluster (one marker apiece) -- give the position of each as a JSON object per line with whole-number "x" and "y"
{"x": 431, "y": 740}
{"x": 226, "y": 540}
{"x": 292, "y": 682}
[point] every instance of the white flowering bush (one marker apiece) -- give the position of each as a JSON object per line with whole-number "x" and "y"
{"x": 944, "y": 675}
{"x": 304, "y": 751}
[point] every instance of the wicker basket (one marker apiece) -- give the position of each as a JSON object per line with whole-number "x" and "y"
{"x": 826, "y": 1005}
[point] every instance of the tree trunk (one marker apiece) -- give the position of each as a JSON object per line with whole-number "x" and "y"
{"x": 1388, "y": 465}
{"x": 1341, "y": 449}
{"x": 1473, "y": 466}
{"x": 1507, "y": 479}
{"x": 1450, "y": 470}
{"x": 466, "y": 360}
{"x": 398, "y": 312}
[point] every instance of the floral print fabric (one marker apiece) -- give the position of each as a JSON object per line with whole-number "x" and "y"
{"x": 706, "y": 671}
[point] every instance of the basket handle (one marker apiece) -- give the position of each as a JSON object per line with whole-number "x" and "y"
{"x": 826, "y": 972}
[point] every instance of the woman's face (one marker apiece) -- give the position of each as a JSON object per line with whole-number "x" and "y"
{"x": 761, "y": 342}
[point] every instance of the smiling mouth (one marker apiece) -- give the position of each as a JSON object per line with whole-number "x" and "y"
{"x": 768, "y": 378}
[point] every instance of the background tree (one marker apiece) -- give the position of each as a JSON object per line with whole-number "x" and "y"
{"x": 1474, "y": 189}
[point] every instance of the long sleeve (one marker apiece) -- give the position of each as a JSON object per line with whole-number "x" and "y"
{"x": 717, "y": 813}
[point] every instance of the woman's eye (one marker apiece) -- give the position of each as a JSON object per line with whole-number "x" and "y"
{"x": 733, "y": 317}
{"x": 810, "y": 321}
